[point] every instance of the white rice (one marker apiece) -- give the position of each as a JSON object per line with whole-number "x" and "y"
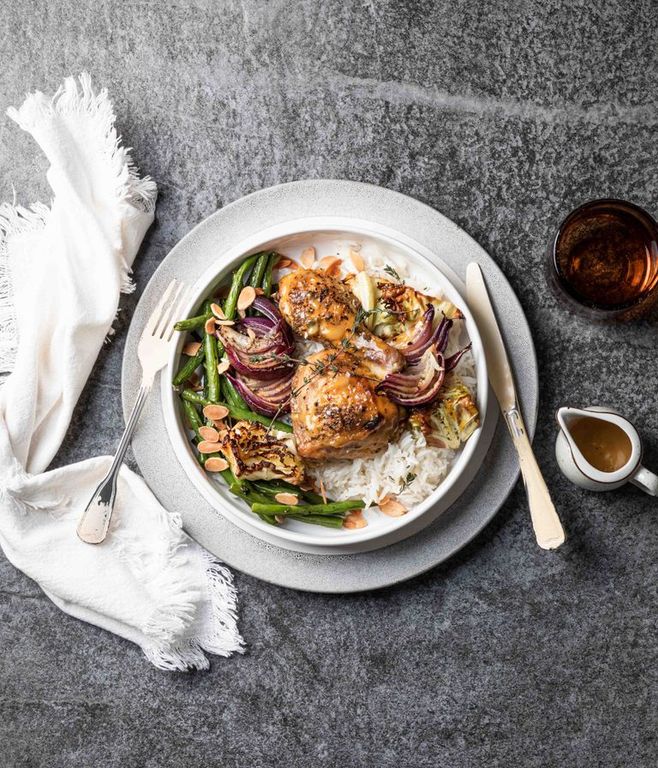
{"x": 392, "y": 470}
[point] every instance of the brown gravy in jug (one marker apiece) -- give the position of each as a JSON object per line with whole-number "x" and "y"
{"x": 603, "y": 444}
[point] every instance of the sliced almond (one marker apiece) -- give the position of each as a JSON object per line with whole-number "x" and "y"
{"x": 357, "y": 260}
{"x": 251, "y": 334}
{"x": 246, "y": 297}
{"x": 287, "y": 498}
{"x": 260, "y": 292}
{"x": 307, "y": 258}
{"x": 323, "y": 493}
{"x": 205, "y": 446}
{"x": 355, "y": 519}
{"x": 280, "y": 518}
{"x": 331, "y": 265}
{"x": 220, "y": 426}
{"x": 191, "y": 348}
{"x": 209, "y": 434}
{"x": 286, "y": 263}
{"x": 216, "y": 464}
{"x": 209, "y": 327}
{"x": 390, "y": 506}
{"x": 217, "y": 311}
{"x": 224, "y": 322}
{"x": 223, "y": 365}
{"x": 215, "y": 412}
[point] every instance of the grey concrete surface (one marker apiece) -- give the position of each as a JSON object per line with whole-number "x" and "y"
{"x": 503, "y": 116}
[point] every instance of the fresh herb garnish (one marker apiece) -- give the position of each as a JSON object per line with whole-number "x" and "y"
{"x": 408, "y": 480}
{"x": 389, "y": 270}
{"x": 317, "y": 367}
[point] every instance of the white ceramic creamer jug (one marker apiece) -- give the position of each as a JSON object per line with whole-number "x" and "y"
{"x": 600, "y": 450}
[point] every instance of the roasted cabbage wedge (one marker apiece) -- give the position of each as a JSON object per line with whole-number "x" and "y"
{"x": 451, "y": 420}
{"x": 253, "y": 453}
{"x": 394, "y": 311}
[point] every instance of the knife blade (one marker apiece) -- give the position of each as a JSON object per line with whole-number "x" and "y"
{"x": 545, "y": 521}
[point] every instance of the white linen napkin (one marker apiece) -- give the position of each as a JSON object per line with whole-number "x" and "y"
{"x": 61, "y": 272}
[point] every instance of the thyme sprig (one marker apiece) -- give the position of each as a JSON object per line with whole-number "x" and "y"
{"x": 390, "y": 271}
{"x": 407, "y": 481}
{"x": 319, "y": 367}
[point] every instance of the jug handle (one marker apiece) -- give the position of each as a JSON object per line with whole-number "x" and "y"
{"x": 646, "y": 480}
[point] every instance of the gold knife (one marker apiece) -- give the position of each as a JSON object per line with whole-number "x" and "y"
{"x": 545, "y": 521}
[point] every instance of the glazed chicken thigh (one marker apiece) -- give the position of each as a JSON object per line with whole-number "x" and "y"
{"x": 320, "y": 307}
{"x": 335, "y": 410}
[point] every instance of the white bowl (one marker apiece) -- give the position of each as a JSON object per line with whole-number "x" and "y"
{"x": 328, "y": 234}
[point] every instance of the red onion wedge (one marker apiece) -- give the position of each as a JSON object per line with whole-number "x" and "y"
{"x": 421, "y": 382}
{"x": 259, "y": 325}
{"x": 261, "y": 366}
{"x": 267, "y": 308}
{"x": 422, "y": 338}
{"x": 269, "y": 400}
{"x": 440, "y": 335}
{"x": 270, "y": 311}
{"x": 262, "y": 357}
{"x": 427, "y": 337}
{"x": 451, "y": 362}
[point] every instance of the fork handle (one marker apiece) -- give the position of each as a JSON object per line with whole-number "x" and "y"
{"x": 95, "y": 520}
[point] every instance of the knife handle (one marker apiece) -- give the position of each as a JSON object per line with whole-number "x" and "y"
{"x": 545, "y": 521}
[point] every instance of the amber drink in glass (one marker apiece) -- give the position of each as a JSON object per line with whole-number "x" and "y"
{"x": 604, "y": 260}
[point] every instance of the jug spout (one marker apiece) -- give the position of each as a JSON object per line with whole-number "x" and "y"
{"x": 565, "y": 416}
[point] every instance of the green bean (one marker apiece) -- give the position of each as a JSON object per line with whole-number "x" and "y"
{"x": 189, "y": 367}
{"x": 210, "y": 363}
{"x": 232, "y": 480}
{"x": 330, "y": 521}
{"x": 315, "y": 498}
{"x": 246, "y": 415}
{"x": 191, "y": 415}
{"x": 226, "y": 390}
{"x": 267, "y": 277}
{"x": 233, "y": 396}
{"x": 336, "y": 507}
{"x": 192, "y": 323}
{"x": 247, "y": 495}
{"x": 252, "y": 495}
{"x": 237, "y": 282}
{"x": 194, "y": 422}
{"x": 194, "y": 397}
{"x": 259, "y": 270}
{"x": 272, "y": 487}
{"x": 241, "y": 414}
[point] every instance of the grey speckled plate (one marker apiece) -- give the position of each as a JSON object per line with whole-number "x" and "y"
{"x": 356, "y": 572}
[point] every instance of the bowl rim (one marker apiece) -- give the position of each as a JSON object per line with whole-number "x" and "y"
{"x": 226, "y": 504}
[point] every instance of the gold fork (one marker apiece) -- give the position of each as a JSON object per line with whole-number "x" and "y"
{"x": 152, "y": 353}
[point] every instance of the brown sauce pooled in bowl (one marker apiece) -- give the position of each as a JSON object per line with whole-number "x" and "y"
{"x": 603, "y": 444}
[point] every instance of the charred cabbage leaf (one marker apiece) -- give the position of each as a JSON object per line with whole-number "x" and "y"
{"x": 451, "y": 420}
{"x": 394, "y": 310}
{"x": 253, "y": 453}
